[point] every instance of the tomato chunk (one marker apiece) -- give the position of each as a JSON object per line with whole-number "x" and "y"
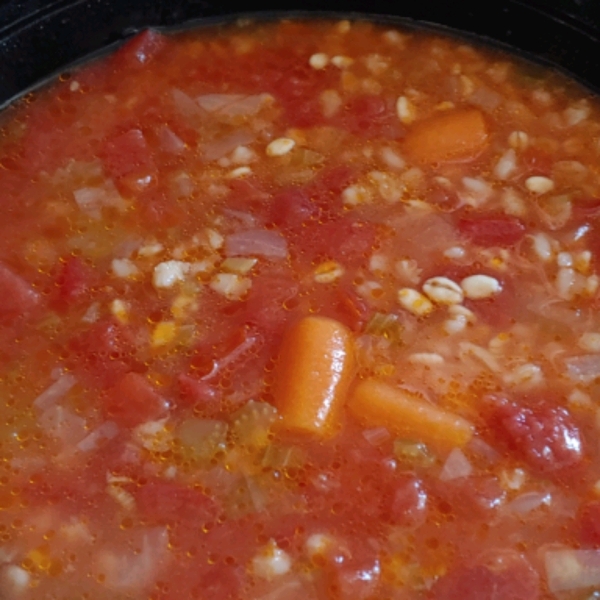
{"x": 492, "y": 230}
{"x": 74, "y": 282}
{"x": 161, "y": 501}
{"x": 506, "y": 576}
{"x": 17, "y": 297}
{"x": 128, "y": 156}
{"x": 545, "y": 437}
{"x": 133, "y": 400}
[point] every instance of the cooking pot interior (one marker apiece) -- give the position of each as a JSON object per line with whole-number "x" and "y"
{"x": 39, "y": 39}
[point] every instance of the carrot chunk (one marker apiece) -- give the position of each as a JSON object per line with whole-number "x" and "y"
{"x": 313, "y": 374}
{"x": 453, "y": 136}
{"x": 377, "y": 403}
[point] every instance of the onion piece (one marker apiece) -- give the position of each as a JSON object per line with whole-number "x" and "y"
{"x": 376, "y": 436}
{"x": 457, "y": 465}
{"x": 60, "y": 423}
{"x": 106, "y": 431}
{"x": 57, "y": 391}
{"x": 256, "y": 242}
{"x": 584, "y": 368}
{"x": 568, "y": 569}
{"x": 91, "y": 200}
{"x": 170, "y": 141}
{"x": 233, "y": 105}
{"x": 222, "y": 146}
{"x": 186, "y": 106}
{"x": 125, "y": 570}
{"x": 529, "y": 501}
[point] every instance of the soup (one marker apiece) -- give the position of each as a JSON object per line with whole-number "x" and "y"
{"x": 300, "y": 310}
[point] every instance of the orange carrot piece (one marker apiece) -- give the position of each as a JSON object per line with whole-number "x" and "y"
{"x": 313, "y": 374}
{"x": 452, "y": 136}
{"x": 377, "y": 403}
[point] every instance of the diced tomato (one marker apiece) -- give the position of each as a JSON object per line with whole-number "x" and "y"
{"x": 297, "y": 87}
{"x": 103, "y": 353}
{"x": 473, "y": 496}
{"x": 292, "y": 209}
{"x": 589, "y": 523}
{"x": 128, "y": 160}
{"x": 492, "y": 230}
{"x": 156, "y": 208}
{"x": 409, "y": 501}
{"x": 247, "y": 195}
{"x": 17, "y": 297}
{"x": 371, "y": 116}
{"x": 507, "y": 576}
{"x": 345, "y": 240}
{"x": 74, "y": 281}
{"x": 203, "y": 396}
{"x": 139, "y": 50}
{"x": 162, "y": 501}
{"x": 267, "y": 306}
{"x": 357, "y": 579}
{"x": 545, "y": 437}
{"x": 133, "y": 400}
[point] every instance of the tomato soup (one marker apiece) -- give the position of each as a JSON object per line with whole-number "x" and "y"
{"x": 300, "y": 310}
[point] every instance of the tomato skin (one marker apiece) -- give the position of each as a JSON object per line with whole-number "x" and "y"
{"x": 133, "y": 401}
{"x": 545, "y": 437}
{"x": 17, "y": 297}
{"x": 492, "y": 230}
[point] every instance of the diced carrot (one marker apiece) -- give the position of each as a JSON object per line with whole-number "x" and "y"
{"x": 313, "y": 374}
{"x": 377, "y": 403}
{"x": 453, "y": 136}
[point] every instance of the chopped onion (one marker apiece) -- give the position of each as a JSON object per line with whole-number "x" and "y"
{"x": 256, "y": 242}
{"x": 457, "y": 465}
{"x": 376, "y": 436}
{"x": 584, "y": 368}
{"x": 485, "y": 98}
{"x": 92, "y": 199}
{"x": 224, "y": 145}
{"x": 60, "y": 423}
{"x": 186, "y": 105}
{"x": 124, "y": 570}
{"x": 529, "y": 501}
{"x": 483, "y": 449}
{"x": 170, "y": 141}
{"x": 568, "y": 569}
{"x": 233, "y": 105}
{"x": 106, "y": 431}
{"x": 58, "y": 390}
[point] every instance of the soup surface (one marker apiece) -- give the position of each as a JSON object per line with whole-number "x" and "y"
{"x": 300, "y": 311}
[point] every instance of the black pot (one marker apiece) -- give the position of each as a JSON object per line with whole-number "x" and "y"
{"x": 40, "y": 37}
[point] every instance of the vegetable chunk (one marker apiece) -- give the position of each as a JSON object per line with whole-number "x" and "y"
{"x": 455, "y": 136}
{"x": 312, "y": 375}
{"x": 378, "y": 403}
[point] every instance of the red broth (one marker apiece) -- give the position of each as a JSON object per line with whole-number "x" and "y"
{"x": 300, "y": 310}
